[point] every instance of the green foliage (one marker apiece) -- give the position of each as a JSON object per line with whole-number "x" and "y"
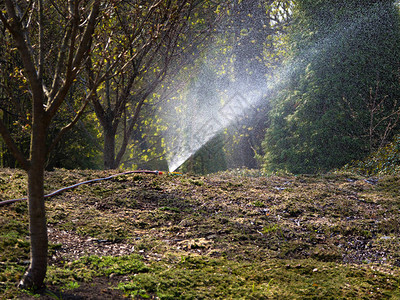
{"x": 385, "y": 161}
{"x": 14, "y": 101}
{"x": 78, "y": 149}
{"x": 342, "y": 89}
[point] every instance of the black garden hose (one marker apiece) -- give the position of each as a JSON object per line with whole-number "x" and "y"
{"x": 80, "y": 183}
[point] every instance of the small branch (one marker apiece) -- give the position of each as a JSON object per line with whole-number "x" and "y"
{"x": 58, "y": 9}
{"x": 3, "y": 19}
{"x": 60, "y": 64}
{"x": 41, "y": 43}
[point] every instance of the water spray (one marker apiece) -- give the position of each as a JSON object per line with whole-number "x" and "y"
{"x": 205, "y": 122}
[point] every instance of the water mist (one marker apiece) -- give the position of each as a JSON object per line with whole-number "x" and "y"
{"x": 212, "y": 104}
{"x": 197, "y": 119}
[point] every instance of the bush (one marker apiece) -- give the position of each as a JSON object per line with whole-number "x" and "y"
{"x": 385, "y": 161}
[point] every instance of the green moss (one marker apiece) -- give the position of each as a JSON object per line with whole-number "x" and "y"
{"x": 196, "y": 277}
{"x": 227, "y": 237}
{"x": 89, "y": 267}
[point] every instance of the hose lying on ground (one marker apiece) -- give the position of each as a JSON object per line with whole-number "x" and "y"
{"x": 80, "y": 183}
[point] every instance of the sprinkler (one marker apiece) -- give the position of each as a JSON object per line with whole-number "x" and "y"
{"x": 175, "y": 173}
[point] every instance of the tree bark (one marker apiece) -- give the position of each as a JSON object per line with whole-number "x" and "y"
{"x": 109, "y": 148}
{"x": 34, "y": 277}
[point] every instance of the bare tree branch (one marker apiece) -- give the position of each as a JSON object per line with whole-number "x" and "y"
{"x": 83, "y": 49}
{"x": 16, "y": 31}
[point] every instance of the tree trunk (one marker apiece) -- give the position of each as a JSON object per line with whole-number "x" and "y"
{"x": 109, "y": 149}
{"x": 34, "y": 277}
{"x": 71, "y": 49}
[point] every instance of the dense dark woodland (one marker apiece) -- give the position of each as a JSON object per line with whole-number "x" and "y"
{"x": 90, "y": 85}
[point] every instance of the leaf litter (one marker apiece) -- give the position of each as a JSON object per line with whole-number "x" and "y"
{"x": 305, "y": 224}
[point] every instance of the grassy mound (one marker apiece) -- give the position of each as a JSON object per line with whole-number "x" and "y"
{"x": 220, "y": 236}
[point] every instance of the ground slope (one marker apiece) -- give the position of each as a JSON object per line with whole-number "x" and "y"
{"x": 228, "y": 235}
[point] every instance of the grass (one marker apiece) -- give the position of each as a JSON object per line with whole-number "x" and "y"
{"x": 230, "y": 235}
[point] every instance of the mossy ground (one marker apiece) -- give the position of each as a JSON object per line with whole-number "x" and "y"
{"x": 233, "y": 235}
